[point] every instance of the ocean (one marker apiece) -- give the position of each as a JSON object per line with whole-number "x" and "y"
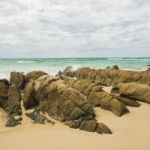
{"x": 53, "y": 65}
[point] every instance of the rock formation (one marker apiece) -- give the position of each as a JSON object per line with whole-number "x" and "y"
{"x": 109, "y": 77}
{"x": 70, "y": 96}
{"x": 96, "y": 96}
{"x": 135, "y": 91}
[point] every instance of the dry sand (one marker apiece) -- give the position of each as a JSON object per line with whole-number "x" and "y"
{"x": 130, "y": 132}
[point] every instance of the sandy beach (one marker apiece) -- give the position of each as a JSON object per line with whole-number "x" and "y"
{"x": 131, "y": 131}
{"x": 74, "y": 75}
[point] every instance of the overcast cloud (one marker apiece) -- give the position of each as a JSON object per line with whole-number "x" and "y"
{"x": 74, "y": 28}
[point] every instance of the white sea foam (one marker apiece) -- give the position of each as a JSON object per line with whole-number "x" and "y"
{"x": 52, "y": 66}
{"x": 24, "y": 62}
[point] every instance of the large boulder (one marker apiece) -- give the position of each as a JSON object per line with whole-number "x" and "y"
{"x": 62, "y": 102}
{"x": 10, "y": 98}
{"x": 34, "y": 75}
{"x": 135, "y": 91}
{"x": 4, "y": 86}
{"x": 18, "y": 79}
{"x": 29, "y": 96}
{"x": 13, "y": 104}
{"x": 64, "y": 99}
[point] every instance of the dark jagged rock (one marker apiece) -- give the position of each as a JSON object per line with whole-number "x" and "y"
{"x": 89, "y": 125}
{"x": 34, "y": 75}
{"x": 4, "y": 86}
{"x": 73, "y": 123}
{"x": 29, "y": 96}
{"x": 10, "y": 98}
{"x": 18, "y": 79}
{"x": 69, "y": 71}
{"x": 38, "y": 117}
{"x": 115, "y": 67}
{"x": 114, "y": 90}
{"x": 109, "y": 77}
{"x": 96, "y": 96}
{"x": 13, "y": 104}
{"x": 102, "y": 128}
{"x": 135, "y": 91}
{"x": 4, "y": 81}
{"x": 12, "y": 122}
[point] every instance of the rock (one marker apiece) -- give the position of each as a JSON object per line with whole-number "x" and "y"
{"x": 34, "y": 75}
{"x": 13, "y": 104}
{"x": 37, "y": 117}
{"x": 88, "y": 109}
{"x": 128, "y": 101}
{"x": 29, "y": 96}
{"x": 4, "y": 86}
{"x": 135, "y": 91}
{"x": 18, "y": 79}
{"x": 113, "y": 105}
{"x": 114, "y": 90}
{"x": 4, "y": 81}
{"x": 89, "y": 125}
{"x": 73, "y": 124}
{"x": 96, "y": 96}
{"x": 108, "y": 67}
{"x": 10, "y": 98}
{"x": 115, "y": 67}
{"x": 110, "y": 77}
{"x": 69, "y": 71}
{"x": 76, "y": 113}
{"x": 59, "y": 100}
{"x": 99, "y": 129}
{"x": 12, "y": 122}
{"x": 102, "y": 128}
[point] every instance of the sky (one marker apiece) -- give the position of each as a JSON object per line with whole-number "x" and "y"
{"x": 74, "y": 28}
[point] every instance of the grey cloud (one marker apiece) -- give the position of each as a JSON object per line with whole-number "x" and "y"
{"x": 49, "y": 27}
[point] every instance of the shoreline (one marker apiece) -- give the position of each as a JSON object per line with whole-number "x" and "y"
{"x": 86, "y": 101}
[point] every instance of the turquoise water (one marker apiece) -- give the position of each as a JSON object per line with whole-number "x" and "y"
{"x": 53, "y": 65}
